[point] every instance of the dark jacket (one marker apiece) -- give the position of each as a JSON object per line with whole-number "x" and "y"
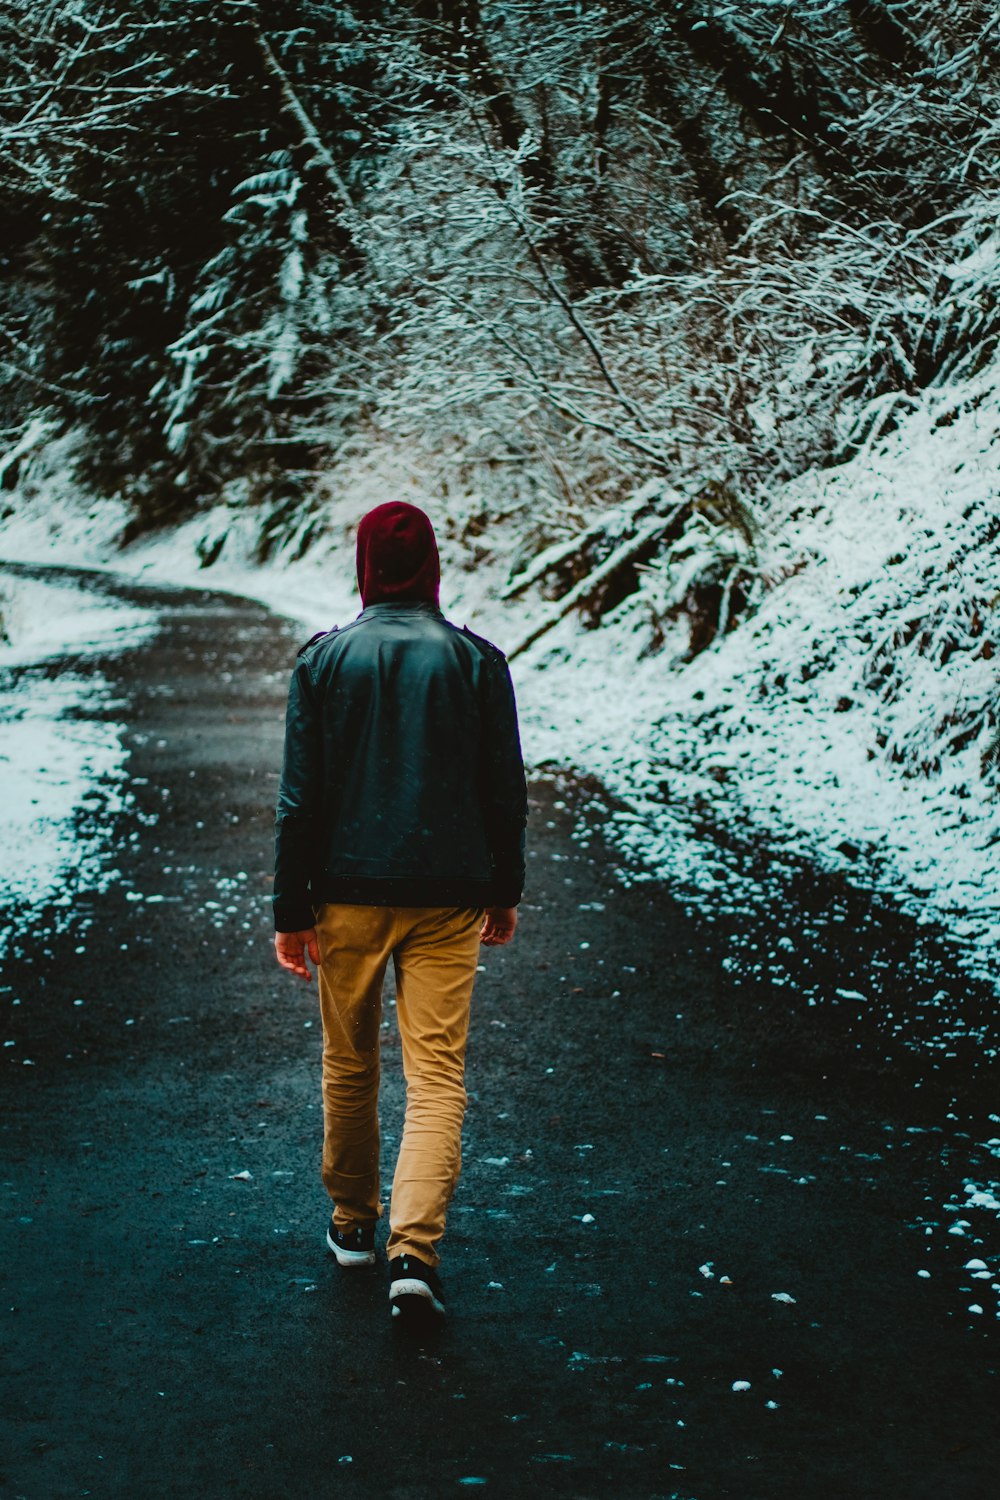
{"x": 402, "y": 782}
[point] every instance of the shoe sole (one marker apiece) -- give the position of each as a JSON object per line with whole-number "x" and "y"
{"x": 350, "y": 1257}
{"x": 413, "y": 1299}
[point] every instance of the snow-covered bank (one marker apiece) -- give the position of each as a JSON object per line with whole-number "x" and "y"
{"x": 852, "y": 718}
{"x": 62, "y": 773}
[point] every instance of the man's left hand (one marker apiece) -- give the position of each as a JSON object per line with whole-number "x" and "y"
{"x": 291, "y": 949}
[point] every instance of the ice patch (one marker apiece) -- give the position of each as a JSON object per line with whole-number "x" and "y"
{"x": 976, "y": 1197}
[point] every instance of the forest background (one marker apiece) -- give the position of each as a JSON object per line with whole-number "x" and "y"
{"x": 680, "y": 317}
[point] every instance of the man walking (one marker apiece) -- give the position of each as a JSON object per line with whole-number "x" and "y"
{"x": 400, "y": 833}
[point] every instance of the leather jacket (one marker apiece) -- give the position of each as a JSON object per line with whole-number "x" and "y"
{"x": 402, "y": 782}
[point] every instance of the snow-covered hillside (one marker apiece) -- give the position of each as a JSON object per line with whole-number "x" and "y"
{"x": 852, "y": 715}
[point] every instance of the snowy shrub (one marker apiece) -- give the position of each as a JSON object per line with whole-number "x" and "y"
{"x": 706, "y": 576}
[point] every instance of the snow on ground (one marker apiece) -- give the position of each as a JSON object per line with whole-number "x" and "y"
{"x": 845, "y": 720}
{"x": 40, "y": 619}
{"x": 63, "y": 768}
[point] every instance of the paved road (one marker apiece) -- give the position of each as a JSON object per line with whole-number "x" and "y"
{"x": 675, "y": 1185}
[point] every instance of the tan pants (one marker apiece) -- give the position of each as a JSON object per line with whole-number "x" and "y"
{"x": 434, "y": 952}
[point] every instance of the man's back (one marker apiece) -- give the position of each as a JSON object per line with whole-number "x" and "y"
{"x": 403, "y": 764}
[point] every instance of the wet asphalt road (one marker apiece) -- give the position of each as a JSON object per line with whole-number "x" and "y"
{"x": 674, "y": 1184}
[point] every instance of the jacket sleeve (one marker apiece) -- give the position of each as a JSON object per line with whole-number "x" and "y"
{"x": 300, "y": 796}
{"x": 502, "y": 790}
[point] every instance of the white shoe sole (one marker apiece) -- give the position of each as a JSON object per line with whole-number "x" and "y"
{"x": 413, "y": 1287}
{"x": 350, "y": 1257}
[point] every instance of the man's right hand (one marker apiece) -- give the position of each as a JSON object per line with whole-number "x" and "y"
{"x": 499, "y": 926}
{"x": 290, "y": 949}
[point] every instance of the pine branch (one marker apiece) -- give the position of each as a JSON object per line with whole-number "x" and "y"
{"x": 293, "y": 107}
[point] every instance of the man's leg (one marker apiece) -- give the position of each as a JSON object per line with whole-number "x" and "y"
{"x": 354, "y": 945}
{"x": 435, "y": 961}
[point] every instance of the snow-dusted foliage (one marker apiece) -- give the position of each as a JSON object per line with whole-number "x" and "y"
{"x": 568, "y": 247}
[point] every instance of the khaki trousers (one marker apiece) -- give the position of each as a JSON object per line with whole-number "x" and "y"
{"x": 434, "y": 951}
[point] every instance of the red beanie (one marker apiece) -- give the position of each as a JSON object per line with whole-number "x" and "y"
{"x": 397, "y": 555}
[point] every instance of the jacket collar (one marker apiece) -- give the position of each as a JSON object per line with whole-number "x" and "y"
{"x": 401, "y": 606}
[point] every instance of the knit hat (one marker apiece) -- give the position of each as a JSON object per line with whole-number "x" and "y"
{"x": 397, "y": 556}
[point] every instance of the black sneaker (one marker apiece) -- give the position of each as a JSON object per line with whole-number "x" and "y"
{"x": 414, "y": 1289}
{"x": 352, "y": 1247}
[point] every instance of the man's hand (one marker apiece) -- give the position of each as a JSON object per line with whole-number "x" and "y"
{"x": 499, "y": 926}
{"x": 291, "y": 949}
